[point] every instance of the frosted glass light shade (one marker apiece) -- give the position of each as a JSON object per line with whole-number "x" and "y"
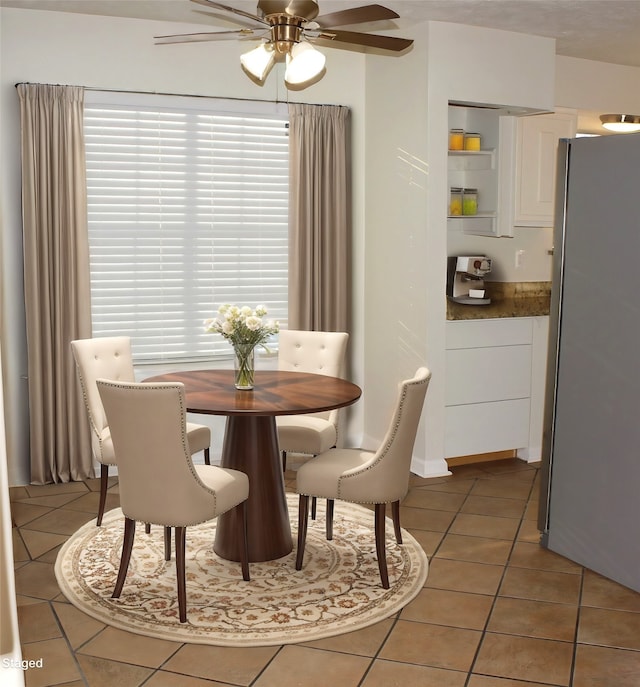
{"x": 258, "y": 62}
{"x": 303, "y": 64}
{"x": 621, "y": 123}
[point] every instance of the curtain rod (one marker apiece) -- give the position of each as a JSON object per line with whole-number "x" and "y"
{"x": 184, "y": 95}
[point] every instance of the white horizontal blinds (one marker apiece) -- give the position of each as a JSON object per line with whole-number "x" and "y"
{"x": 188, "y": 209}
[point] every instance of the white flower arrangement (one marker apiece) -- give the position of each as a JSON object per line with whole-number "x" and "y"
{"x": 243, "y": 326}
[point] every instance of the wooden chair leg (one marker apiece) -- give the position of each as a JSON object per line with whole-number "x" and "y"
{"x": 330, "y": 504}
{"x": 284, "y": 461}
{"x": 207, "y": 457}
{"x": 303, "y": 521}
{"x": 314, "y": 506}
{"x": 167, "y": 543}
{"x": 104, "y": 483}
{"x": 395, "y": 513}
{"x": 244, "y": 560}
{"x": 147, "y": 528}
{"x": 380, "y": 544}
{"x": 181, "y": 538}
{"x": 127, "y": 547}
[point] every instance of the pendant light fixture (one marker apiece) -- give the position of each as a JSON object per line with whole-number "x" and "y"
{"x": 621, "y": 123}
{"x": 257, "y": 63}
{"x": 304, "y": 65}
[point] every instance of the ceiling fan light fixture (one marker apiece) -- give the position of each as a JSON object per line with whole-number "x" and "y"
{"x": 259, "y": 61}
{"x": 621, "y": 123}
{"x": 304, "y": 63}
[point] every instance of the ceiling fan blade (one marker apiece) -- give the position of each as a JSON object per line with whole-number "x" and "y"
{"x": 356, "y": 15}
{"x": 211, "y": 4}
{"x": 369, "y": 40}
{"x": 209, "y": 36}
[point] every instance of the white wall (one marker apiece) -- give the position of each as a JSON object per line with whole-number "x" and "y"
{"x": 113, "y": 53}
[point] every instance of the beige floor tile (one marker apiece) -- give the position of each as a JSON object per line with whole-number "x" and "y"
{"x": 391, "y": 674}
{"x": 529, "y": 531}
{"x": 598, "y": 666}
{"x": 20, "y": 553}
{"x": 60, "y": 521}
{"x": 100, "y": 672}
{"x": 434, "y": 500}
{"x": 429, "y": 541}
{"x": 462, "y": 576}
{"x": 449, "y": 485}
{"x": 237, "y": 666}
{"x": 490, "y": 505}
{"x": 485, "y": 526}
{"x": 78, "y": 627}
{"x": 163, "y": 678}
{"x": 431, "y": 645}
{"x": 534, "y": 619}
{"x": 39, "y": 543}
{"x": 455, "y": 609}
{"x": 58, "y": 663}
{"x": 53, "y": 500}
{"x": 526, "y": 555}
{"x": 127, "y": 647}
{"x": 36, "y": 490}
{"x": 618, "y": 629}
{"x": 474, "y": 549}
{"x": 298, "y": 665}
{"x": 601, "y": 592}
{"x": 88, "y": 503}
{"x": 23, "y": 512}
{"x": 37, "y": 623}
{"x": 426, "y": 519}
{"x": 38, "y": 580}
{"x": 365, "y": 642}
{"x": 489, "y": 681}
{"x": 523, "y": 658}
{"x": 503, "y": 487}
{"x": 541, "y": 585}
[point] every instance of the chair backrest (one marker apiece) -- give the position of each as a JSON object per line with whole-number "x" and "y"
{"x": 107, "y": 358}
{"x": 316, "y": 352}
{"x": 157, "y": 480}
{"x": 385, "y": 477}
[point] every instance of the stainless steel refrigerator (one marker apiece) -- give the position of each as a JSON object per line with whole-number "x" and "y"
{"x": 590, "y": 487}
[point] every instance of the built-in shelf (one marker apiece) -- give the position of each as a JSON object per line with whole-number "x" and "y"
{"x": 484, "y": 223}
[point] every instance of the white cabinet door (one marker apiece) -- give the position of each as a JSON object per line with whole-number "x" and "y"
{"x": 536, "y": 152}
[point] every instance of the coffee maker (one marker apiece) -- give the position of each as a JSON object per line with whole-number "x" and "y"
{"x": 465, "y": 279}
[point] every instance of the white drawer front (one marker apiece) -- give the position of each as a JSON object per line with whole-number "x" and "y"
{"x": 486, "y": 427}
{"x": 488, "y": 374}
{"x": 508, "y": 331}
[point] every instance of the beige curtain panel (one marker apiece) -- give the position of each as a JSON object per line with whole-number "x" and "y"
{"x": 56, "y": 277}
{"x": 319, "y": 217}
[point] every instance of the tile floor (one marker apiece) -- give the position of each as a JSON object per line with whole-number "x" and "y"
{"x": 497, "y": 610}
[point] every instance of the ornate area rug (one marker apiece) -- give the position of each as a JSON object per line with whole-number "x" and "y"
{"x": 337, "y": 591}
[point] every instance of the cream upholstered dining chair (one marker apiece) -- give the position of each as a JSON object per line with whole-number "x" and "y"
{"x": 110, "y": 357}
{"x": 158, "y": 480}
{"x": 360, "y": 476}
{"x": 319, "y": 353}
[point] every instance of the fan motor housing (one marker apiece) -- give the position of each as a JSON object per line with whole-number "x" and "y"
{"x": 305, "y": 10}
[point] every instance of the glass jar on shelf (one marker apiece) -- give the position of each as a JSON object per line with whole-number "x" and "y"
{"x": 455, "y": 202}
{"x": 470, "y": 201}
{"x": 472, "y": 141}
{"x": 456, "y": 139}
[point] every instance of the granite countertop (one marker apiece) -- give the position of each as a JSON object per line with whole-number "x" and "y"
{"x": 508, "y": 299}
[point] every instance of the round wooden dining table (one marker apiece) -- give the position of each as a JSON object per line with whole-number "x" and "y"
{"x": 251, "y": 444}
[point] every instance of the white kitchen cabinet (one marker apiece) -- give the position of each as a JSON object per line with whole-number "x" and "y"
{"x": 494, "y": 392}
{"x": 476, "y": 169}
{"x": 535, "y": 165}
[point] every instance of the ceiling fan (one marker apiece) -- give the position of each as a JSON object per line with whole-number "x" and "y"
{"x": 287, "y": 29}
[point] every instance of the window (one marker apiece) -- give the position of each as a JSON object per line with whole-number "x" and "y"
{"x": 188, "y": 209}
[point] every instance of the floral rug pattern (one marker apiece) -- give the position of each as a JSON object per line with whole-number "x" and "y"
{"x": 338, "y": 589}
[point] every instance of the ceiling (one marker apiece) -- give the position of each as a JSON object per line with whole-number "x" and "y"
{"x": 602, "y": 30}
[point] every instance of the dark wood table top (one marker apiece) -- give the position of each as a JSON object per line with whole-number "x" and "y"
{"x": 275, "y": 392}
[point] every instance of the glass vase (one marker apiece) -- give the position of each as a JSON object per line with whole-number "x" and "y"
{"x": 244, "y": 366}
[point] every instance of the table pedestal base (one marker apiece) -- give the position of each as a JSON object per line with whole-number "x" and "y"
{"x": 251, "y": 445}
